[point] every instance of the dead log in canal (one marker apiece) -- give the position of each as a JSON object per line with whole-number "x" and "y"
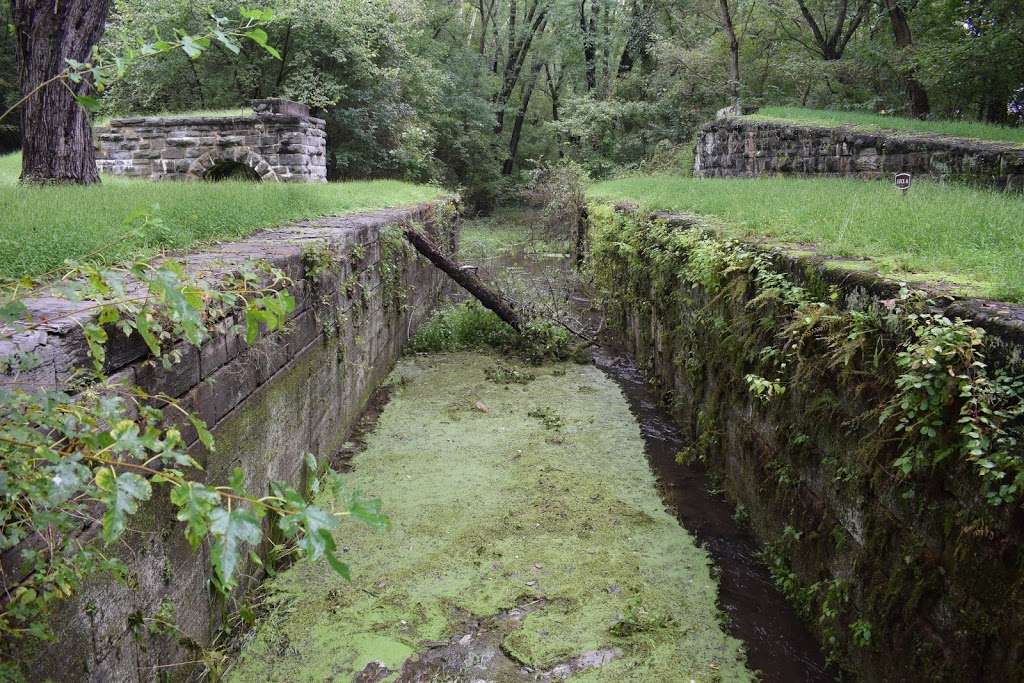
{"x": 465, "y": 277}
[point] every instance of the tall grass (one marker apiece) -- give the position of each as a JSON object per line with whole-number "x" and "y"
{"x": 40, "y": 227}
{"x": 875, "y": 122}
{"x": 971, "y": 238}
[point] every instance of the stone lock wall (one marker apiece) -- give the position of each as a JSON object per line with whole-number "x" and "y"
{"x": 279, "y": 142}
{"x": 921, "y": 582}
{"x": 294, "y": 391}
{"x": 741, "y": 147}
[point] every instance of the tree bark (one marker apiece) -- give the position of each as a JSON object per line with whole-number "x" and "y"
{"x": 534, "y": 24}
{"x": 588, "y": 29}
{"x": 56, "y": 134}
{"x": 517, "y": 125}
{"x": 832, "y": 44}
{"x": 916, "y": 93}
{"x": 554, "y": 86}
{"x": 734, "y": 50}
{"x": 464, "y": 277}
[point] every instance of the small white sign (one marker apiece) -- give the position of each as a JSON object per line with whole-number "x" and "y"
{"x": 903, "y": 181}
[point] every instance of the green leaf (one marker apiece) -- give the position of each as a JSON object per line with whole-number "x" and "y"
{"x": 88, "y": 102}
{"x": 237, "y": 481}
{"x": 368, "y": 512}
{"x": 227, "y": 41}
{"x": 121, "y": 494}
{"x": 340, "y": 567}
{"x": 143, "y": 325}
{"x": 312, "y": 527}
{"x": 12, "y": 311}
{"x": 231, "y": 531}
{"x": 205, "y": 437}
{"x": 66, "y": 479}
{"x": 258, "y": 36}
{"x": 196, "y": 502}
{"x": 194, "y": 46}
{"x": 96, "y": 337}
{"x": 257, "y": 14}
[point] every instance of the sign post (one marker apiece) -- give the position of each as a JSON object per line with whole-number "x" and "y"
{"x": 903, "y": 181}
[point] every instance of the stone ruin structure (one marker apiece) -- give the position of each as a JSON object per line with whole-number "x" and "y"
{"x": 736, "y": 146}
{"x": 280, "y": 141}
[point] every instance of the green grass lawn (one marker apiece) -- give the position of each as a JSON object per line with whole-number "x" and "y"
{"x": 970, "y": 238}
{"x": 203, "y": 113}
{"x": 876, "y": 122}
{"x": 40, "y": 227}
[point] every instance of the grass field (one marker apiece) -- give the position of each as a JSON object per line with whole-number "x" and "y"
{"x": 40, "y": 227}
{"x": 970, "y": 238}
{"x": 876, "y": 122}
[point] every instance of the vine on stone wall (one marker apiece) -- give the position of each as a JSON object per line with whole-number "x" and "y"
{"x": 88, "y": 457}
{"x": 941, "y": 399}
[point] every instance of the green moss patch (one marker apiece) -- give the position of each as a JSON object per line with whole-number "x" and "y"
{"x": 491, "y": 510}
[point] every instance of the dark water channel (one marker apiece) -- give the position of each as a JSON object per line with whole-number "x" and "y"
{"x": 777, "y": 642}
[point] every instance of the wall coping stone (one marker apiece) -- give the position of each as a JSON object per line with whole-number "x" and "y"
{"x": 852, "y": 133}
{"x": 738, "y": 146}
{"x": 1002, "y": 319}
{"x": 57, "y": 336}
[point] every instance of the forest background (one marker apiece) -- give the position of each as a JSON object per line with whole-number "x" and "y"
{"x": 475, "y": 94}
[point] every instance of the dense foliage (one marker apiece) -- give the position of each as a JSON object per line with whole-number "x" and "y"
{"x": 943, "y": 404}
{"x": 468, "y": 93}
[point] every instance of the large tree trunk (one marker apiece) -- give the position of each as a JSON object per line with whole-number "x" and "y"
{"x": 56, "y": 138}
{"x": 916, "y": 94}
{"x": 588, "y": 29}
{"x": 517, "y": 125}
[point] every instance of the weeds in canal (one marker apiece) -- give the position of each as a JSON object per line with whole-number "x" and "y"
{"x": 500, "y": 373}
{"x": 548, "y": 417}
{"x": 471, "y": 327}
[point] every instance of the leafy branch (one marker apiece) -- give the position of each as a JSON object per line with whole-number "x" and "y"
{"x": 105, "y": 67}
{"x": 75, "y": 462}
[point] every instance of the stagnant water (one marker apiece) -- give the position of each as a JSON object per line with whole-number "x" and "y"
{"x": 777, "y": 642}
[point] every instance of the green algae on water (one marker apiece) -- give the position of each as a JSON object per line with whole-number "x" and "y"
{"x": 491, "y": 510}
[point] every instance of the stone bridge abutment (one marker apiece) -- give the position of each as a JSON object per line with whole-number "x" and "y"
{"x": 278, "y": 142}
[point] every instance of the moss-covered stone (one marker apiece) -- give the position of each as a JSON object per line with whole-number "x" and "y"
{"x": 911, "y": 575}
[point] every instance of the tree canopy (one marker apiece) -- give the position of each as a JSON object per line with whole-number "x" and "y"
{"x": 469, "y": 93}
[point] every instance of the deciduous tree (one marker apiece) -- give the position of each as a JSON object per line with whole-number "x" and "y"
{"x": 56, "y": 135}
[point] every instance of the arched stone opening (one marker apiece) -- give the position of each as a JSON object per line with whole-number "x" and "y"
{"x": 221, "y": 165}
{"x": 231, "y": 170}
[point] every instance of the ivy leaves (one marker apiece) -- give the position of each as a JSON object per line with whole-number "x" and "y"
{"x": 108, "y": 449}
{"x": 945, "y": 380}
{"x": 231, "y": 530}
{"x": 121, "y": 494}
{"x": 195, "y": 504}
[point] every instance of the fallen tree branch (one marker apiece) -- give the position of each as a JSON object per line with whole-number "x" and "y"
{"x": 466, "y": 278}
